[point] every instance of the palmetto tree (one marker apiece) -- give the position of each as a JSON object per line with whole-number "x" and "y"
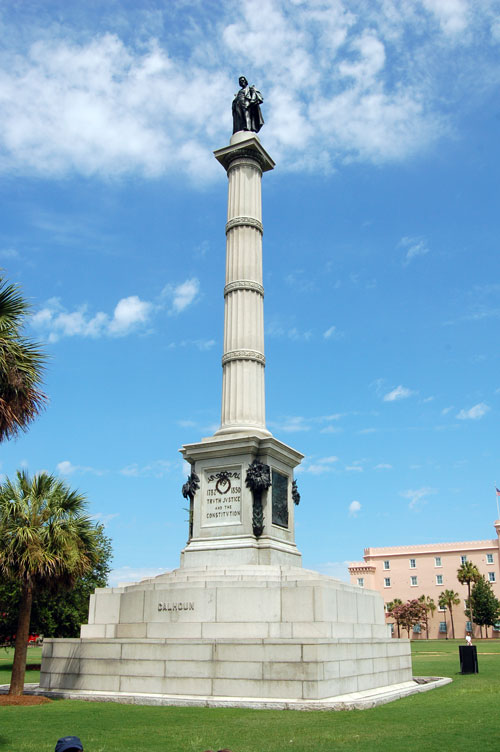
{"x": 21, "y": 366}
{"x": 46, "y": 541}
{"x": 430, "y": 607}
{"x": 448, "y": 599}
{"x": 466, "y": 574}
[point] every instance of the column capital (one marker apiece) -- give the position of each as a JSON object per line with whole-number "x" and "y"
{"x": 249, "y": 148}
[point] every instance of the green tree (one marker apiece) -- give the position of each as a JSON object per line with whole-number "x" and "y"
{"x": 46, "y": 541}
{"x": 484, "y": 605}
{"x": 448, "y": 599}
{"x": 21, "y": 366}
{"x": 430, "y": 607}
{"x": 468, "y": 573}
{"x": 390, "y": 612}
{"x": 60, "y": 613}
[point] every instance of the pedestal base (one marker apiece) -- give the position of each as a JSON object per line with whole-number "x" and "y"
{"x": 254, "y": 631}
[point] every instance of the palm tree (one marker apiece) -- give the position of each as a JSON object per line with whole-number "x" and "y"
{"x": 46, "y": 541}
{"x": 21, "y": 366}
{"x": 430, "y": 607}
{"x": 467, "y": 573}
{"x": 448, "y": 599}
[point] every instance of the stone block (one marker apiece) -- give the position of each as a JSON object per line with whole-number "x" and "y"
{"x": 66, "y": 665}
{"x": 325, "y": 604}
{"x": 131, "y": 630}
{"x": 347, "y": 668}
{"x": 248, "y": 604}
{"x": 92, "y": 631}
{"x": 174, "y": 631}
{"x": 297, "y": 671}
{"x": 99, "y": 683}
{"x": 227, "y": 630}
{"x": 256, "y": 688}
{"x": 183, "y": 686}
{"x": 347, "y": 610}
{"x": 280, "y": 630}
{"x": 110, "y": 631}
{"x": 342, "y": 630}
{"x": 189, "y": 669}
{"x": 296, "y": 603}
{"x": 312, "y": 629}
{"x": 107, "y": 649}
{"x": 132, "y": 607}
{"x": 257, "y": 652}
{"x": 238, "y": 670}
{"x": 153, "y": 684}
{"x": 64, "y": 648}
{"x": 364, "y": 666}
{"x": 107, "y": 607}
{"x": 331, "y": 669}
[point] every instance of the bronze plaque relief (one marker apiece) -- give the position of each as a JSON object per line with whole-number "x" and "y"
{"x": 280, "y": 499}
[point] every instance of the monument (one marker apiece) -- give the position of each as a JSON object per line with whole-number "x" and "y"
{"x": 240, "y": 621}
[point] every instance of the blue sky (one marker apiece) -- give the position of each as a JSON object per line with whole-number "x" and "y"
{"x": 381, "y": 255}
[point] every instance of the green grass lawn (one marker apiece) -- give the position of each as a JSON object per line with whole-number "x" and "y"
{"x": 462, "y": 715}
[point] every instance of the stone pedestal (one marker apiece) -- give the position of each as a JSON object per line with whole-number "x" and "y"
{"x": 223, "y": 531}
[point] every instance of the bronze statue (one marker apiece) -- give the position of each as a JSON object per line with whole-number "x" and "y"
{"x": 246, "y": 108}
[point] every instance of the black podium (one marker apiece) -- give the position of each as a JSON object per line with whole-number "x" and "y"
{"x": 468, "y": 659}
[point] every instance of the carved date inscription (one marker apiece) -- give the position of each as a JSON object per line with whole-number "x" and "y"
{"x": 280, "y": 499}
{"x": 222, "y": 497}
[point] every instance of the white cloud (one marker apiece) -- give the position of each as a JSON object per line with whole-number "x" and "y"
{"x": 104, "y": 519}
{"x": 154, "y": 469}
{"x": 414, "y": 247}
{"x": 112, "y": 105}
{"x": 354, "y": 469}
{"x": 446, "y": 410}
{"x": 452, "y": 15}
{"x": 474, "y": 413}
{"x": 184, "y": 294}
{"x": 67, "y": 468}
{"x": 383, "y": 466}
{"x": 319, "y": 466}
{"x": 128, "y": 313}
{"x": 354, "y": 508}
{"x": 332, "y": 333}
{"x": 399, "y": 393}
{"x": 418, "y": 495}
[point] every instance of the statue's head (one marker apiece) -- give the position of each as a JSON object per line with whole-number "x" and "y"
{"x": 242, "y": 81}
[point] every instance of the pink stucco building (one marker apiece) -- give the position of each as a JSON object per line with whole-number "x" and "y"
{"x": 407, "y": 572}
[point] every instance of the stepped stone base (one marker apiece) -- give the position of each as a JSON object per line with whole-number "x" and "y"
{"x": 245, "y": 632}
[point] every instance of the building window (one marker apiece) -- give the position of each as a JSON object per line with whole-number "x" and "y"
{"x": 496, "y": 627}
{"x": 416, "y": 628}
{"x": 442, "y": 608}
{"x": 468, "y": 626}
{"x": 392, "y": 628}
{"x": 413, "y": 581}
{"x": 442, "y": 626}
{"x": 492, "y": 577}
{"x": 387, "y": 582}
{"x": 413, "y": 563}
{"x": 439, "y": 579}
{"x": 489, "y": 558}
{"x": 463, "y": 559}
{"x": 387, "y": 564}
{"x": 361, "y": 581}
{"x": 437, "y": 561}
{"x": 465, "y": 604}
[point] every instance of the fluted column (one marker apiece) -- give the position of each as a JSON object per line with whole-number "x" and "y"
{"x": 243, "y": 360}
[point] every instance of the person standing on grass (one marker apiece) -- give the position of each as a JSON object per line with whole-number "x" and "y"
{"x": 69, "y": 744}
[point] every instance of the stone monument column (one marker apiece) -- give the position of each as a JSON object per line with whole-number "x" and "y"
{"x": 243, "y": 360}
{"x": 241, "y": 488}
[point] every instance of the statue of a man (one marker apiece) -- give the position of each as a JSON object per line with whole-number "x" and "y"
{"x": 246, "y": 108}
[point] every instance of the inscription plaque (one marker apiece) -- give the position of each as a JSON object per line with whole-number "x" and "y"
{"x": 280, "y": 499}
{"x": 222, "y": 497}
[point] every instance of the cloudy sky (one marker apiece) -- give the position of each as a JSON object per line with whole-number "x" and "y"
{"x": 381, "y": 255}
